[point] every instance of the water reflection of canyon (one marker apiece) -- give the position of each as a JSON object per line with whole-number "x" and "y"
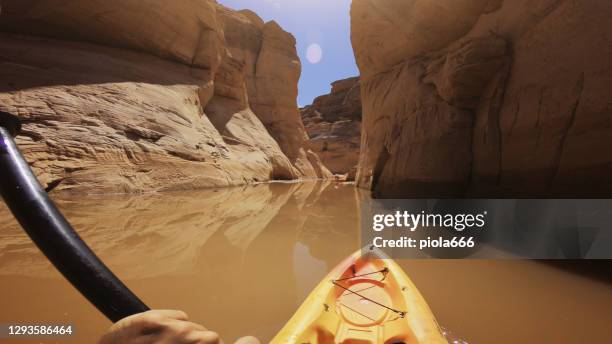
{"x": 241, "y": 260}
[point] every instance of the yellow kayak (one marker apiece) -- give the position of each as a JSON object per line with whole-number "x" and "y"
{"x": 365, "y": 299}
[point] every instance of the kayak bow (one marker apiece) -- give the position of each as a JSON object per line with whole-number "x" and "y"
{"x": 366, "y": 299}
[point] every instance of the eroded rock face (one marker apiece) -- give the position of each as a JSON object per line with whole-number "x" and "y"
{"x": 272, "y": 71}
{"x": 484, "y": 97}
{"x": 333, "y": 123}
{"x": 121, "y": 96}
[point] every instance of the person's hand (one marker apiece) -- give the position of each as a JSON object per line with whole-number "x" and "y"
{"x": 162, "y": 327}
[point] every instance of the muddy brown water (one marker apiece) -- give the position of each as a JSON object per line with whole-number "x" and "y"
{"x": 241, "y": 260}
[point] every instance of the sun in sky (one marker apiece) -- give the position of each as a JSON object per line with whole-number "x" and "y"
{"x": 314, "y": 53}
{"x": 322, "y": 31}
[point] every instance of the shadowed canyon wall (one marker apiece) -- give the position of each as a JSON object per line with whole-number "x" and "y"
{"x": 485, "y": 97}
{"x": 126, "y": 96}
{"x": 333, "y": 123}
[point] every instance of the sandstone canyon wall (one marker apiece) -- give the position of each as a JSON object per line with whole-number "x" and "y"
{"x": 485, "y": 97}
{"x": 333, "y": 123}
{"x": 128, "y": 96}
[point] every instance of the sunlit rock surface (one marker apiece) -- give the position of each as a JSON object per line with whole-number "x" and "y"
{"x": 484, "y": 98}
{"x": 122, "y": 96}
{"x": 333, "y": 123}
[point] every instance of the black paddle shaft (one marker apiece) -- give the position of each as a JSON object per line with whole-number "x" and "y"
{"x": 54, "y": 236}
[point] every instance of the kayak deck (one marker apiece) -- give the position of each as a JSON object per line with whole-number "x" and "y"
{"x": 365, "y": 299}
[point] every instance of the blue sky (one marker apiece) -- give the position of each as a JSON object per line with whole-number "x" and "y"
{"x": 324, "y": 23}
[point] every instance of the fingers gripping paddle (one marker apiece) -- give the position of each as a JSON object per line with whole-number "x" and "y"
{"x": 54, "y": 236}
